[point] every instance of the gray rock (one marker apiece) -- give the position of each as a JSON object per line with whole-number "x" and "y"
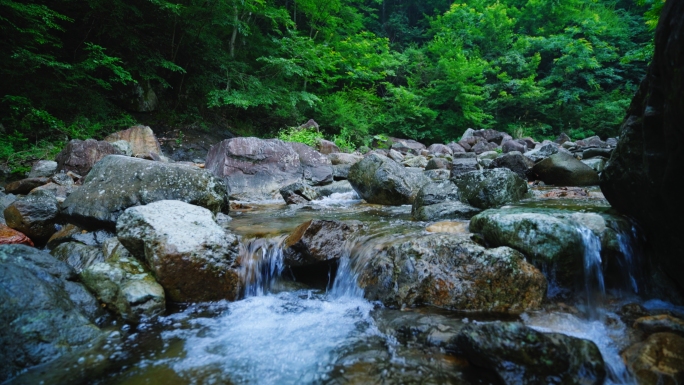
{"x": 597, "y": 152}
{"x": 438, "y": 174}
{"x": 562, "y": 138}
{"x": 438, "y": 164}
{"x": 521, "y": 355}
{"x": 543, "y": 151}
{"x": 481, "y": 147}
{"x": 190, "y": 255}
{"x": 341, "y": 171}
{"x": 407, "y": 146}
{"x": 339, "y": 187}
{"x": 80, "y": 156}
{"x": 488, "y": 155}
{"x": 456, "y": 148}
{"x": 490, "y": 188}
{"x": 24, "y": 186}
{"x": 5, "y": 201}
{"x": 34, "y": 215}
{"x": 119, "y": 182}
{"x": 298, "y": 193}
{"x": 42, "y": 311}
{"x": 440, "y": 149}
{"x": 514, "y": 161}
{"x": 43, "y": 168}
{"x": 317, "y": 241}
{"x": 452, "y": 272}
{"x": 514, "y": 145}
{"x": 462, "y": 165}
{"x": 415, "y": 161}
{"x": 490, "y": 135}
{"x": 124, "y": 147}
{"x": 77, "y": 255}
{"x": 612, "y": 142}
{"x": 562, "y": 169}
{"x": 124, "y": 284}
{"x": 395, "y": 156}
{"x": 597, "y": 164}
{"x": 344, "y": 158}
{"x": 378, "y": 179}
{"x": 316, "y": 167}
{"x": 592, "y": 141}
{"x": 469, "y": 133}
{"x": 326, "y": 147}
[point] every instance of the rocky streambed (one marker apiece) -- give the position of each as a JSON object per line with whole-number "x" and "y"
{"x": 277, "y": 264}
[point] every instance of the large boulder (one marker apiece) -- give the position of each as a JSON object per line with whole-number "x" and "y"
{"x": 521, "y": 355}
{"x": 657, "y": 360}
{"x": 490, "y": 188}
{"x": 440, "y": 200}
{"x": 562, "y": 169}
{"x": 643, "y": 178}
{"x": 119, "y": 182}
{"x": 490, "y": 135}
{"x": 44, "y": 313}
{"x": 142, "y": 140}
{"x": 317, "y": 241}
{"x": 78, "y": 255}
{"x": 256, "y": 169}
{"x": 551, "y": 236}
{"x": 190, "y": 255}
{"x": 123, "y": 284}
{"x": 379, "y": 179}
{"x": 544, "y": 150}
{"x": 34, "y": 215}
{"x": 463, "y": 163}
{"x": 80, "y": 156}
{"x": 514, "y": 161}
{"x": 298, "y": 193}
{"x": 43, "y": 168}
{"x": 451, "y": 271}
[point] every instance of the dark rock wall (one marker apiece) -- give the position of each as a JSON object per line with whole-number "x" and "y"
{"x": 645, "y": 175}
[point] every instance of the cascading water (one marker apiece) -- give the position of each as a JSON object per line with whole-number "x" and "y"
{"x": 261, "y": 263}
{"x": 629, "y": 263}
{"x": 594, "y": 284}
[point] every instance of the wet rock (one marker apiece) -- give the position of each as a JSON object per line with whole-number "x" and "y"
{"x": 451, "y": 272}
{"x": 77, "y": 255}
{"x": 80, "y": 156}
{"x": 514, "y": 161}
{"x": 297, "y": 193}
{"x": 521, "y": 355}
{"x": 659, "y": 324}
{"x": 543, "y": 151}
{"x": 340, "y": 171}
{"x": 562, "y": 169}
{"x": 119, "y": 182}
{"x": 9, "y": 236}
{"x": 124, "y": 284}
{"x": 415, "y": 161}
{"x": 326, "y": 147}
{"x": 60, "y": 192}
{"x": 42, "y": 311}
{"x": 440, "y": 200}
{"x": 43, "y": 169}
{"x": 344, "y": 158}
{"x": 490, "y": 188}
{"x": 73, "y": 233}
{"x": 34, "y": 215}
{"x": 438, "y": 164}
{"x": 380, "y": 180}
{"x": 464, "y": 163}
{"x": 658, "y": 360}
{"x": 549, "y": 236}
{"x": 316, "y": 167}
{"x": 395, "y": 156}
{"x": 190, "y": 255}
{"x": 317, "y": 241}
{"x": 256, "y": 169}
{"x": 448, "y": 227}
{"x": 340, "y": 187}
{"x": 24, "y": 186}
{"x": 597, "y": 164}
{"x": 440, "y": 149}
{"x": 142, "y": 141}
{"x": 438, "y": 174}
{"x": 456, "y": 148}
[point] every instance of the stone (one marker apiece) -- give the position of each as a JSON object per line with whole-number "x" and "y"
{"x": 73, "y": 233}
{"x": 592, "y": 141}
{"x": 521, "y": 355}
{"x": 119, "y": 182}
{"x": 80, "y": 156}
{"x": 415, "y": 161}
{"x": 438, "y": 174}
{"x": 316, "y": 167}
{"x": 298, "y": 193}
{"x": 543, "y": 151}
{"x": 34, "y": 215}
{"x": 43, "y": 313}
{"x": 77, "y": 255}
{"x": 339, "y": 187}
{"x": 514, "y": 161}
{"x": 562, "y": 138}
{"x": 188, "y": 253}
{"x": 490, "y": 135}
{"x": 395, "y": 156}
{"x": 514, "y": 145}
{"x": 462, "y": 165}
{"x": 612, "y": 142}
{"x": 256, "y": 169}
{"x": 562, "y": 169}
{"x": 60, "y": 192}
{"x": 440, "y": 149}
{"x": 341, "y": 171}
{"x": 448, "y": 227}
{"x": 490, "y": 188}
{"x": 468, "y": 133}
{"x": 481, "y": 147}
{"x": 488, "y": 155}
{"x": 326, "y": 147}
{"x": 456, "y": 148}
{"x": 43, "y": 169}
{"x": 142, "y": 140}
{"x": 597, "y": 164}
{"x": 344, "y": 158}
{"x": 549, "y": 236}
{"x": 659, "y": 324}
{"x": 380, "y": 180}
{"x": 438, "y": 164}
{"x": 124, "y": 284}
{"x": 451, "y": 272}
{"x": 597, "y": 152}
{"x": 124, "y": 147}
{"x": 24, "y": 186}
{"x": 407, "y": 146}
{"x": 440, "y": 200}
{"x": 317, "y": 241}
{"x": 5, "y": 201}
{"x": 9, "y": 236}
{"x": 658, "y": 360}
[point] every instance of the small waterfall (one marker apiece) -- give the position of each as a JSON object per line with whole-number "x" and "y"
{"x": 629, "y": 263}
{"x": 594, "y": 285}
{"x": 262, "y": 264}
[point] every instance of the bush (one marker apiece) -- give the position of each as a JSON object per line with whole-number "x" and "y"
{"x": 309, "y": 136}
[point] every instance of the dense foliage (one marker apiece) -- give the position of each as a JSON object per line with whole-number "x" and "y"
{"x": 422, "y": 69}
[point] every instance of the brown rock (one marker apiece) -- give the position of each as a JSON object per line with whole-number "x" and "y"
{"x": 657, "y": 361}
{"x": 344, "y": 158}
{"x": 9, "y": 236}
{"x": 35, "y": 215}
{"x": 79, "y": 156}
{"x": 143, "y": 142}
{"x": 326, "y": 147}
{"x": 318, "y": 241}
{"x": 25, "y": 186}
{"x": 448, "y": 227}
{"x": 660, "y": 323}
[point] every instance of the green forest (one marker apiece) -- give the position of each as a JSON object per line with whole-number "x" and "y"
{"x": 418, "y": 69}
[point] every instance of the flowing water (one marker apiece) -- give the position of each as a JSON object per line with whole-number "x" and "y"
{"x": 284, "y": 332}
